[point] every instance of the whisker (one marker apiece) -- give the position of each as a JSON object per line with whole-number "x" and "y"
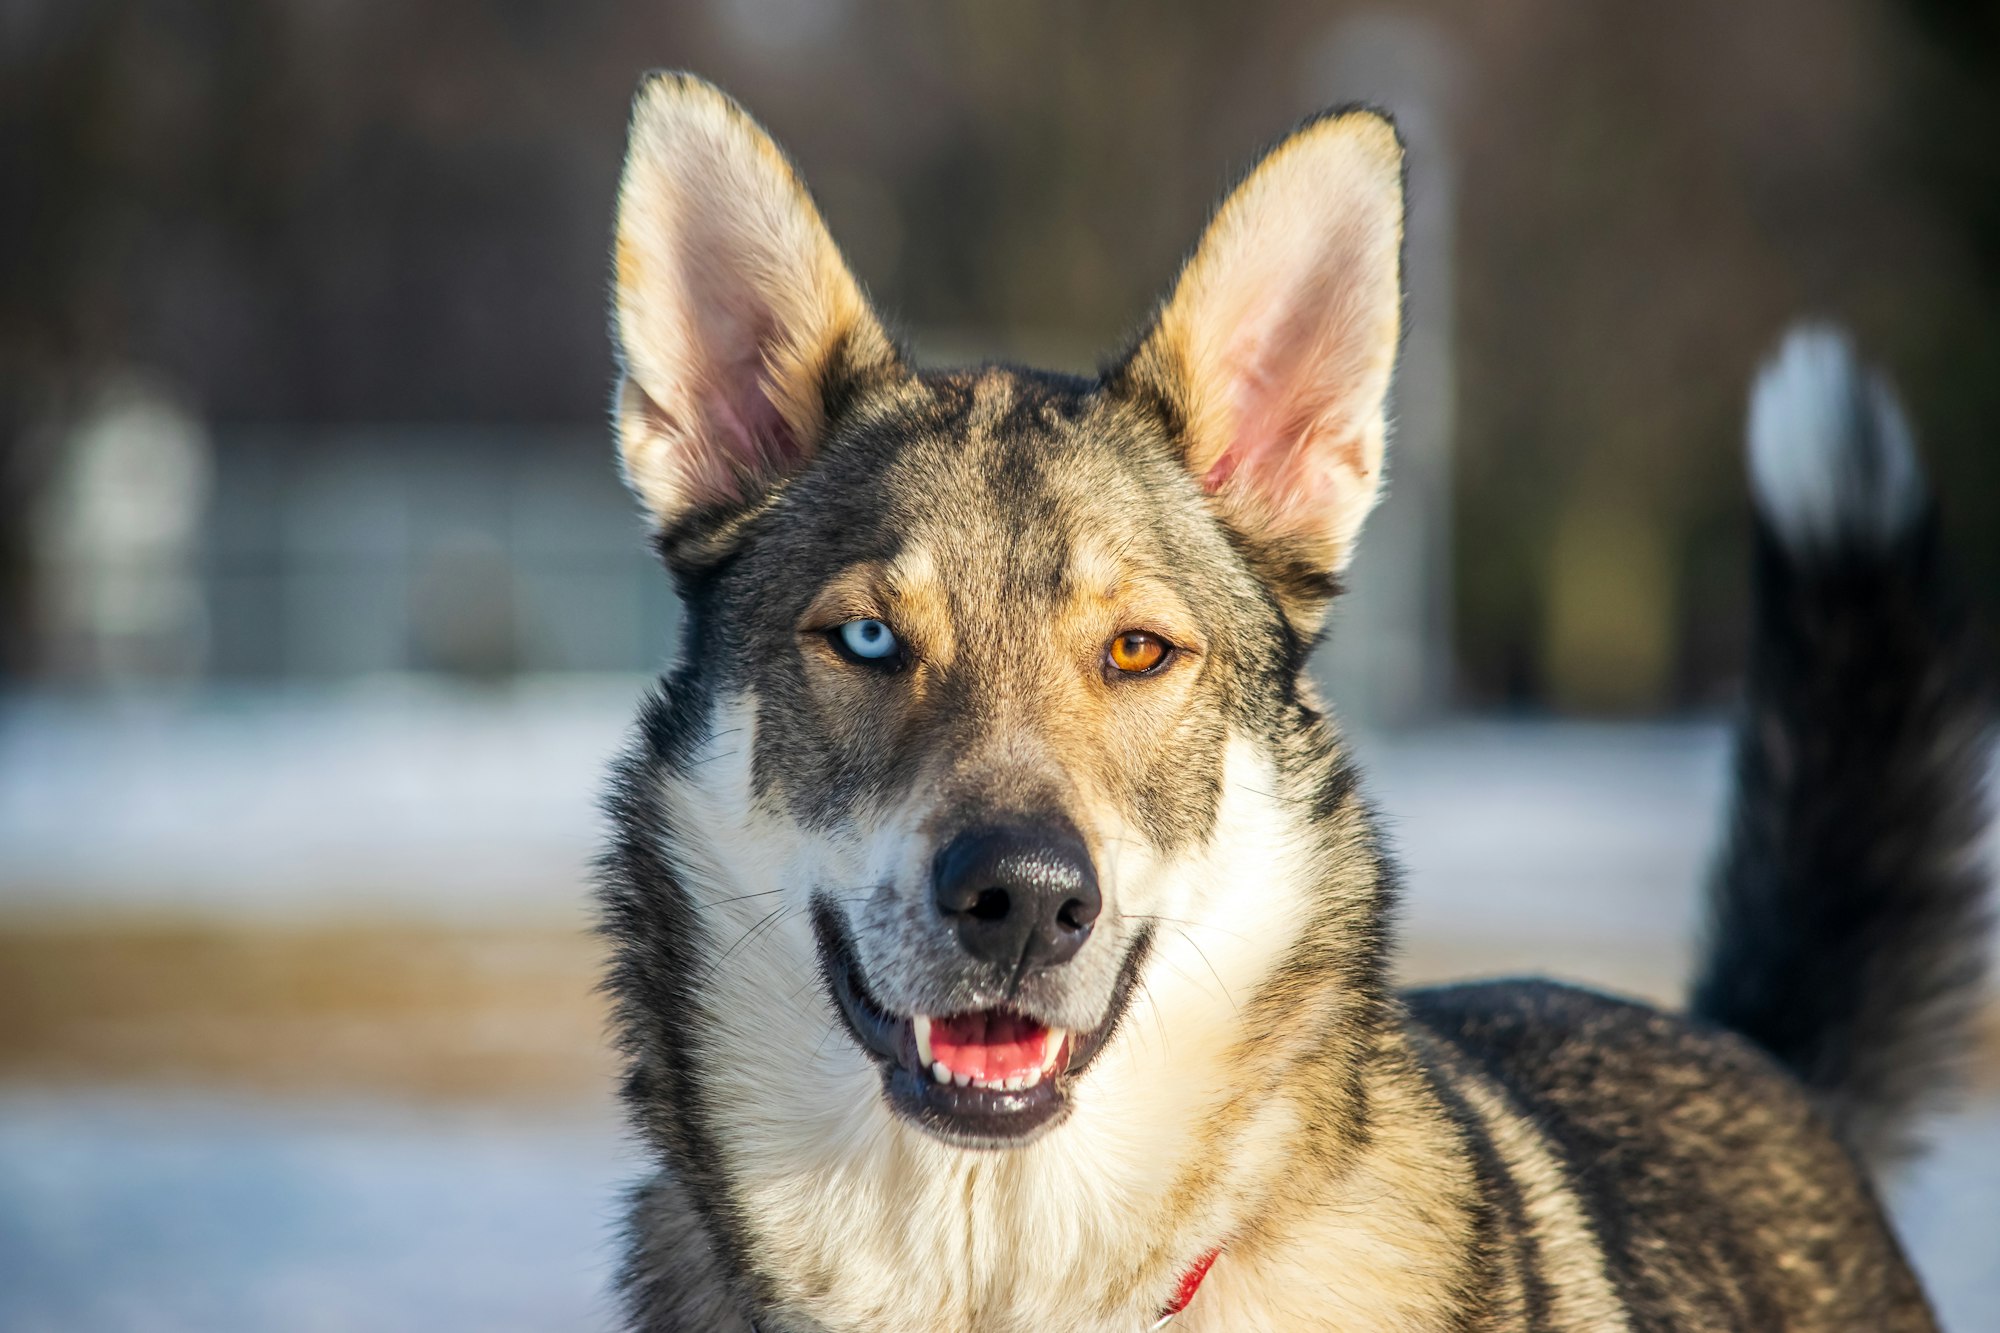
{"x": 722, "y": 754}
{"x": 1211, "y": 970}
{"x": 804, "y": 985}
{"x": 774, "y": 917}
{"x": 1184, "y": 924}
{"x": 830, "y": 1026}
{"x": 1159, "y": 1024}
{"x": 1306, "y": 799}
{"x": 739, "y": 898}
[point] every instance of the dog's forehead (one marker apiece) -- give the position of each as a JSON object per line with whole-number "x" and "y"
{"x": 1025, "y": 478}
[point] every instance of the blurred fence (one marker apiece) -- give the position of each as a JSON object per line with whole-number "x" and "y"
{"x": 321, "y": 553}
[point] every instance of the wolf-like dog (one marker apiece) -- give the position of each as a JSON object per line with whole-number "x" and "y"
{"x": 1000, "y": 933}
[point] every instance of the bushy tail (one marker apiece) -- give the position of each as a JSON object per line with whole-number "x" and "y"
{"x": 1848, "y": 926}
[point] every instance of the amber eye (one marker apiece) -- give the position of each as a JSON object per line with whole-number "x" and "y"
{"x": 1136, "y": 652}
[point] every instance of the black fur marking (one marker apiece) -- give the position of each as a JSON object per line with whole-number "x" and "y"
{"x": 658, "y": 946}
{"x": 1721, "y": 1197}
{"x": 1847, "y": 914}
{"x": 1506, "y": 1246}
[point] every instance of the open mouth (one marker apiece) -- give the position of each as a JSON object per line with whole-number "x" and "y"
{"x": 985, "y": 1078}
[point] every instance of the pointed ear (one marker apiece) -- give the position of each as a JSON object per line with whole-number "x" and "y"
{"x": 1273, "y": 353}
{"x": 735, "y": 317}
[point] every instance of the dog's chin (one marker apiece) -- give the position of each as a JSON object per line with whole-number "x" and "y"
{"x": 992, "y": 1078}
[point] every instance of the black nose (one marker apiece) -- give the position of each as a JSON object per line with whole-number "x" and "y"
{"x": 1018, "y": 895}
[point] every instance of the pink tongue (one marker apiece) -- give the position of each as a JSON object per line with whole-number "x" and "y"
{"x": 990, "y": 1045}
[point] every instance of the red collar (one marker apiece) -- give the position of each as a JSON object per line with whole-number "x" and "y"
{"x": 1190, "y": 1284}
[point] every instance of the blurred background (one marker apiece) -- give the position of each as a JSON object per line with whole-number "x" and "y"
{"x": 321, "y": 606}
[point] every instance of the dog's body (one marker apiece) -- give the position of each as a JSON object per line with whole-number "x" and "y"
{"x": 1001, "y": 932}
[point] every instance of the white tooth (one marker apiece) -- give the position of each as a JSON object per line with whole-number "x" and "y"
{"x": 1031, "y": 1078}
{"x": 961, "y": 1079}
{"x": 1016, "y": 1083}
{"x": 923, "y": 1027}
{"x": 940, "y": 1073}
{"x": 1052, "y": 1047}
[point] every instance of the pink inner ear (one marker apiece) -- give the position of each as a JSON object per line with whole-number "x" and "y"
{"x": 751, "y": 436}
{"x": 1292, "y": 439}
{"x": 744, "y": 438}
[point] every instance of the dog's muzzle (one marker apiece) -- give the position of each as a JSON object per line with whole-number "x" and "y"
{"x": 997, "y": 1076}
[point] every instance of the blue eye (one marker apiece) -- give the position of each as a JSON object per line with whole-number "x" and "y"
{"x": 868, "y": 640}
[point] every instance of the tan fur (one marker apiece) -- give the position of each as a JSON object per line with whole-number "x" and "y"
{"x": 724, "y": 271}
{"x": 1582, "y": 1301}
{"x": 1285, "y": 324}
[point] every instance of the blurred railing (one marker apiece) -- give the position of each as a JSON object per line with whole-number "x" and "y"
{"x": 475, "y": 552}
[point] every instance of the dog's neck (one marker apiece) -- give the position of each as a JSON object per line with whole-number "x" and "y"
{"x": 1317, "y": 1228}
{"x": 1270, "y": 1107}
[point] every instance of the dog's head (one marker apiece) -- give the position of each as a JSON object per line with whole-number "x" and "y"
{"x": 972, "y": 650}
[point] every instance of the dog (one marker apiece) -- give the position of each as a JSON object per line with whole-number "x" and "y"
{"x": 999, "y": 929}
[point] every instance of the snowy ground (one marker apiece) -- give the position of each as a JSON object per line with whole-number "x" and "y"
{"x": 150, "y": 1214}
{"x": 1574, "y": 850}
{"x": 169, "y": 1216}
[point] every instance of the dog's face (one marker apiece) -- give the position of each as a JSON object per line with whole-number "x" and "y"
{"x": 985, "y": 640}
{"x": 994, "y": 639}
